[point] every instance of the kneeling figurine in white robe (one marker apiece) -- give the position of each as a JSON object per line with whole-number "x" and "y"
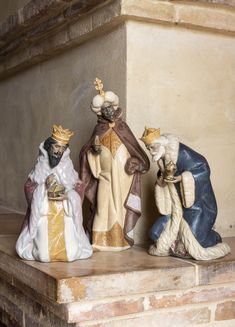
{"x": 53, "y": 226}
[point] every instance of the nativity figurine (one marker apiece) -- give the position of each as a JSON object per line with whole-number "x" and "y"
{"x": 111, "y": 164}
{"x": 53, "y": 226}
{"x": 185, "y": 199}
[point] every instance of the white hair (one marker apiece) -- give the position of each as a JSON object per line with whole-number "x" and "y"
{"x": 169, "y": 147}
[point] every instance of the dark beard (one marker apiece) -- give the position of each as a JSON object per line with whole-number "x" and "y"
{"x": 53, "y": 161}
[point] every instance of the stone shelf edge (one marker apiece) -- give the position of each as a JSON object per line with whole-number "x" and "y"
{"x": 37, "y": 33}
{"x": 132, "y": 291}
{"x": 93, "y": 292}
{"x": 94, "y": 279}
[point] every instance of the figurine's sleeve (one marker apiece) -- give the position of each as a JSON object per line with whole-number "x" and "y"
{"x": 187, "y": 189}
{"x": 29, "y": 188}
{"x": 94, "y": 163}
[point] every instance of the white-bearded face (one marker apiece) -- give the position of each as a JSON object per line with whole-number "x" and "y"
{"x": 157, "y": 148}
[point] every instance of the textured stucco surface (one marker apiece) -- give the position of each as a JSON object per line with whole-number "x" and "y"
{"x": 183, "y": 81}
{"x": 56, "y": 91}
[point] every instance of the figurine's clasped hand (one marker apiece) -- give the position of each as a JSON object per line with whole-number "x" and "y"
{"x": 176, "y": 179}
{"x": 96, "y": 149}
{"x": 96, "y": 146}
{"x": 160, "y": 180}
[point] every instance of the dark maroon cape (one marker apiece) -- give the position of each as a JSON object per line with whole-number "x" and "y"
{"x": 137, "y": 163}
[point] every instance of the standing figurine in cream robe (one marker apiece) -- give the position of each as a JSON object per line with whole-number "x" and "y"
{"x": 53, "y": 226}
{"x": 110, "y": 166}
{"x": 185, "y": 200}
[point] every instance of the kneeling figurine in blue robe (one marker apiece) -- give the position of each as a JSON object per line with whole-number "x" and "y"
{"x": 185, "y": 200}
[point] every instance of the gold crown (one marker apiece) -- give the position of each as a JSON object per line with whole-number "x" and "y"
{"x": 150, "y": 134}
{"x": 99, "y": 86}
{"x": 61, "y": 135}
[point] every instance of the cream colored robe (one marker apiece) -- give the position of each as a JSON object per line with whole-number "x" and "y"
{"x": 113, "y": 189}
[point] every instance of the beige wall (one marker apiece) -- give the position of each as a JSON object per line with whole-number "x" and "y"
{"x": 9, "y": 7}
{"x": 183, "y": 81}
{"x": 179, "y": 79}
{"x": 57, "y": 91}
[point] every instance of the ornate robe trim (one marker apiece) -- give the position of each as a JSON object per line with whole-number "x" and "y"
{"x": 134, "y": 202}
{"x": 111, "y": 141}
{"x": 56, "y": 241}
{"x": 112, "y": 238}
{"x": 163, "y": 199}
{"x": 187, "y": 189}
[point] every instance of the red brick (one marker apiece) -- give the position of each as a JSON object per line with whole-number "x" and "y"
{"x": 225, "y": 311}
{"x": 162, "y": 318}
{"x": 193, "y": 296}
{"x": 105, "y": 310}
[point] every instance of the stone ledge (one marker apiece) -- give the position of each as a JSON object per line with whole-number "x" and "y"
{"x": 196, "y": 306}
{"x": 130, "y": 273}
{"x": 189, "y": 14}
{"x": 45, "y": 28}
{"x": 113, "y": 289}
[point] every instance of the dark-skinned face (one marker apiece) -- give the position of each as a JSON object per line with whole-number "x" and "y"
{"x": 55, "y": 153}
{"x": 108, "y": 112}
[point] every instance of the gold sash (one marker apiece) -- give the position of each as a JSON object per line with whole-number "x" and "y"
{"x": 56, "y": 242}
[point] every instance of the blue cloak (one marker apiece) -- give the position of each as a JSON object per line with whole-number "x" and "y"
{"x": 202, "y": 215}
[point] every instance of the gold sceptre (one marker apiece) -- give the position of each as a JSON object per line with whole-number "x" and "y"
{"x": 99, "y": 86}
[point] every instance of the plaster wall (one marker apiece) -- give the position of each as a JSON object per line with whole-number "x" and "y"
{"x": 179, "y": 79}
{"x": 183, "y": 81}
{"x": 56, "y": 91}
{"x": 9, "y": 7}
